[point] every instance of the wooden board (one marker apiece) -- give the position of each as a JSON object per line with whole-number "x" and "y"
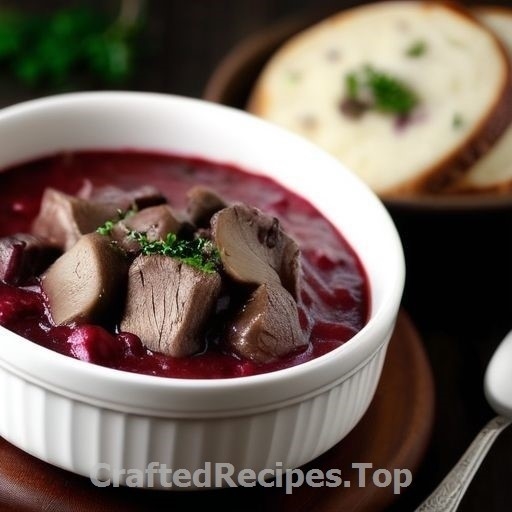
{"x": 393, "y": 434}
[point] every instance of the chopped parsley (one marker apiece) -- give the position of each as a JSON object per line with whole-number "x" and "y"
{"x": 198, "y": 252}
{"x": 379, "y": 91}
{"x": 417, "y": 49}
{"x": 352, "y": 84}
{"x": 457, "y": 121}
{"x": 107, "y": 227}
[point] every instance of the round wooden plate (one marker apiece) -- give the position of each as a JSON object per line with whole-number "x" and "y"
{"x": 393, "y": 434}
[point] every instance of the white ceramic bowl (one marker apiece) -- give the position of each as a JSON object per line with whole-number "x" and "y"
{"x": 78, "y": 415}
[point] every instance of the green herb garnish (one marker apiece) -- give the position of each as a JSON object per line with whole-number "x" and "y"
{"x": 198, "y": 252}
{"x": 417, "y": 49}
{"x": 380, "y": 91}
{"x": 108, "y": 226}
{"x": 352, "y": 83}
{"x": 457, "y": 121}
{"x": 54, "y": 50}
{"x": 390, "y": 94}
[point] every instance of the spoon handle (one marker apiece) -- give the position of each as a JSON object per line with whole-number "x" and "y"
{"x": 447, "y": 496}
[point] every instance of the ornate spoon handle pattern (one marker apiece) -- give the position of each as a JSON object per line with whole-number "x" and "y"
{"x": 447, "y": 496}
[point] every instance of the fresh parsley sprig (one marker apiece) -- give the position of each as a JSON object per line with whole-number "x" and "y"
{"x": 107, "y": 227}
{"x": 375, "y": 90}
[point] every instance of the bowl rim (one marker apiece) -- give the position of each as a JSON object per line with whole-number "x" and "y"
{"x": 145, "y": 393}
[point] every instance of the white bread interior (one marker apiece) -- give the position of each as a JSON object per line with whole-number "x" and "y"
{"x": 493, "y": 172}
{"x": 461, "y": 79}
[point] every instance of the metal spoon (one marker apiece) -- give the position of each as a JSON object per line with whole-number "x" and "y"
{"x": 498, "y": 391}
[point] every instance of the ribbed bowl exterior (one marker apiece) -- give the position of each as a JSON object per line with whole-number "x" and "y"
{"x": 84, "y": 438}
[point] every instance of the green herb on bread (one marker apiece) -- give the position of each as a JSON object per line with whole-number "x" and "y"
{"x": 370, "y": 89}
{"x": 457, "y": 121}
{"x": 416, "y": 49}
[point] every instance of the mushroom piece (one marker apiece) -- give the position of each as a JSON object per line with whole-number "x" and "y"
{"x": 267, "y": 327}
{"x": 254, "y": 249}
{"x": 168, "y": 304}
{"x": 23, "y": 256}
{"x": 87, "y": 282}
{"x": 63, "y": 219}
{"x": 138, "y": 198}
{"x": 202, "y": 204}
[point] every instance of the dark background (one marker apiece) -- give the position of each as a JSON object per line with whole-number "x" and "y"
{"x": 458, "y": 263}
{"x": 184, "y": 41}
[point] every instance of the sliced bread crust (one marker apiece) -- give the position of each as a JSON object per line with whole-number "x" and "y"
{"x": 493, "y": 172}
{"x": 461, "y": 77}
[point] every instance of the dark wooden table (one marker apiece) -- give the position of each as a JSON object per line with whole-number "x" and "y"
{"x": 459, "y": 280}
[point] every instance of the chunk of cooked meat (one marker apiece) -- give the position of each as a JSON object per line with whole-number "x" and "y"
{"x": 169, "y": 303}
{"x": 63, "y": 219}
{"x": 137, "y": 198}
{"x": 156, "y": 222}
{"x": 23, "y": 256}
{"x": 290, "y": 270}
{"x": 267, "y": 327}
{"x": 202, "y": 204}
{"x": 87, "y": 282}
{"x": 254, "y": 249}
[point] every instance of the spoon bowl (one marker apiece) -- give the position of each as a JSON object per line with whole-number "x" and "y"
{"x": 498, "y": 392}
{"x": 498, "y": 378}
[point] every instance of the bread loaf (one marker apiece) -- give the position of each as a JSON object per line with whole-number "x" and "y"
{"x": 493, "y": 172}
{"x": 407, "y": 94}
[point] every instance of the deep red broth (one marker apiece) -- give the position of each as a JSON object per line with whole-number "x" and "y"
{"x": 334, "y": 301}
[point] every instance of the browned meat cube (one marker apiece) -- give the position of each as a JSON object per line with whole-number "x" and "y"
{"x": 254, "y": 249}
{"x": 87, "y": 282}
{"x": 267, "y": 326}
{"x": 137, "y": 199}
{"x": 202, "y": 204}
{"x": 169, "y": 303}
{"x": 156, "y": 222}
{"x": 63, "y": 219}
